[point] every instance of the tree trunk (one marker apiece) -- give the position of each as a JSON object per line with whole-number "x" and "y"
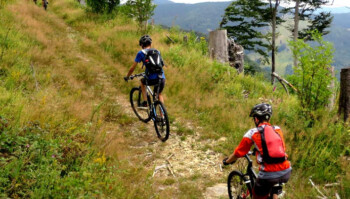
{"x": 296, "y": 29}
{"x": 273, "y": 45}
{"x": 344, "y": 99}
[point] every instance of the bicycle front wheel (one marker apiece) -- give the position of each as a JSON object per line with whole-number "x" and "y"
{"x": 237, "y": 188}
{"x": 136, "y": 104}
{"x": 161, "y": 121}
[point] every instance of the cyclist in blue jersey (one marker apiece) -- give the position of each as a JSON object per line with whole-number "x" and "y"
{"x": 151, "y": 78}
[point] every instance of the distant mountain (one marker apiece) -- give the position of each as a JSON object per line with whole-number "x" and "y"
{"x": 199, "y": 17}
{"x": 340, "y": 37}
{"x": 158, "y": 2}
{"x": 204, "y": 17}
{"x": 337, "y": 10}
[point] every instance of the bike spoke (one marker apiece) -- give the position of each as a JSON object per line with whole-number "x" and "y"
{"x": 237, "y": 187}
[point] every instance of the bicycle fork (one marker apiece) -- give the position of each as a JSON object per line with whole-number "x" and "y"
{"x": 247, "y": 179}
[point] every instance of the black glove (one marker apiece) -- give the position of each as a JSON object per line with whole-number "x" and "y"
{"x": 126, "y": 79}
{"x": 225, "y": 163}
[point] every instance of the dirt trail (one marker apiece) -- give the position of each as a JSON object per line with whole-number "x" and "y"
{"x": 178, "y": 157}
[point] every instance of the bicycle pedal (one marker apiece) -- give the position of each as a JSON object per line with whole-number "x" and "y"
{"x": 143, "y": 108}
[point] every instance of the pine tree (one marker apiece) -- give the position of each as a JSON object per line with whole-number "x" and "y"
{"x": 248, "y": 21}
{"x": 245, "y": 23}
{"x": 304, "y": 10}
{"x": 274, "y": 21}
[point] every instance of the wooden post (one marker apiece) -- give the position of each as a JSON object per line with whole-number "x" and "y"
{"x": 218, "y": 45}
{"x": 344, "y": 100}
{"x": 185, "y": 39}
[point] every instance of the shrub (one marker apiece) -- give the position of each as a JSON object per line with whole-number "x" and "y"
{"x": 312, "y": 77}
{"x": 101, "y": 6}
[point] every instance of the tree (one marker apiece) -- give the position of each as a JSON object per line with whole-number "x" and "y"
{"x": 244, "y": 22}
{"x": 318, "y": 22}
{"x": 274, "y": 21}
{"x": 101, "y": 6}
{"x": 249, "y": 22}
{"x": 304, "y": 10}
{"x": 142, "y": 11}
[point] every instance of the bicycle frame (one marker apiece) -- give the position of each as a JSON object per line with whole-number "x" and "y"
{"x": 250, "y": 181}
{"x": 154, "y": 95}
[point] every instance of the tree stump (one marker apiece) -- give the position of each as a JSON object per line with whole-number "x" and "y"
{"x": 185, "y": 39}
{"x": 218, "y": 45}
{"x": 344, "y": 100}
{"x": 236, "y": 55}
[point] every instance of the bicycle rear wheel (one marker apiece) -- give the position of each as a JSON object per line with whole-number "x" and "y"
{"x": 136, "y": 101}
{"x": 237, "y": 188}
{"x": 161, "y": 122}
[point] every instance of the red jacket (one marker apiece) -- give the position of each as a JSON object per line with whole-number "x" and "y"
{"x": 253, "y": 137}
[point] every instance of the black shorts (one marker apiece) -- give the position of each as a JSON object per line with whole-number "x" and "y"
{"x": 155, "y": 83}
{"x": 263, "y": 187}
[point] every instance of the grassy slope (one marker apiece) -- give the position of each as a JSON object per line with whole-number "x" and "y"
{"x": 85, "y": 55}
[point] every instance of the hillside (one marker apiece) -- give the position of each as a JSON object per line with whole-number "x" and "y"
{"x": 200, "y": 17}
{"x": 67, "y": 129}
{"x": 193, "y": 17}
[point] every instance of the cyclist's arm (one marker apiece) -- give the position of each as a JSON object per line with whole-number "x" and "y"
{"x": 231, "y": 159}
{"x": 132, "y": 68}
{"x": 243, "y": 148}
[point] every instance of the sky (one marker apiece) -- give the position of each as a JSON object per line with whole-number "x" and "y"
{"x": 337, "y": 3}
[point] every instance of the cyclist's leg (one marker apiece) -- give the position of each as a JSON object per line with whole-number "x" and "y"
{"x": 161, "y": 87}
{"x": 143, "y": 89}
{"x": 281, "y": 180}
{"x": 262, "y": 189}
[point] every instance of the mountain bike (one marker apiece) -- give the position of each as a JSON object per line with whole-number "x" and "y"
{"x": 154, "y": 111}
{"x": 240, "y": 185}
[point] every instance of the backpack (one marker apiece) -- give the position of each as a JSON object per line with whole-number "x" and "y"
{"x": 153, "y": 61}
{"x": 272, "y": 144}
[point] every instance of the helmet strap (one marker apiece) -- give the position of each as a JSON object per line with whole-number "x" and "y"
{"x": 256, "y": 121}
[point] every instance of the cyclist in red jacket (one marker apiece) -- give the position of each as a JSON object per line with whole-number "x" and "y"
{"x": 269, "y": 173}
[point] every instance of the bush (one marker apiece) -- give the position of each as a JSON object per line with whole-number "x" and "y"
{"x": 312, "y": 77}
{"x": 101, "y": 6}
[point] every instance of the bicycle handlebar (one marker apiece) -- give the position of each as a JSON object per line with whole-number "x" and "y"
{"x": 131, "y": 77}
